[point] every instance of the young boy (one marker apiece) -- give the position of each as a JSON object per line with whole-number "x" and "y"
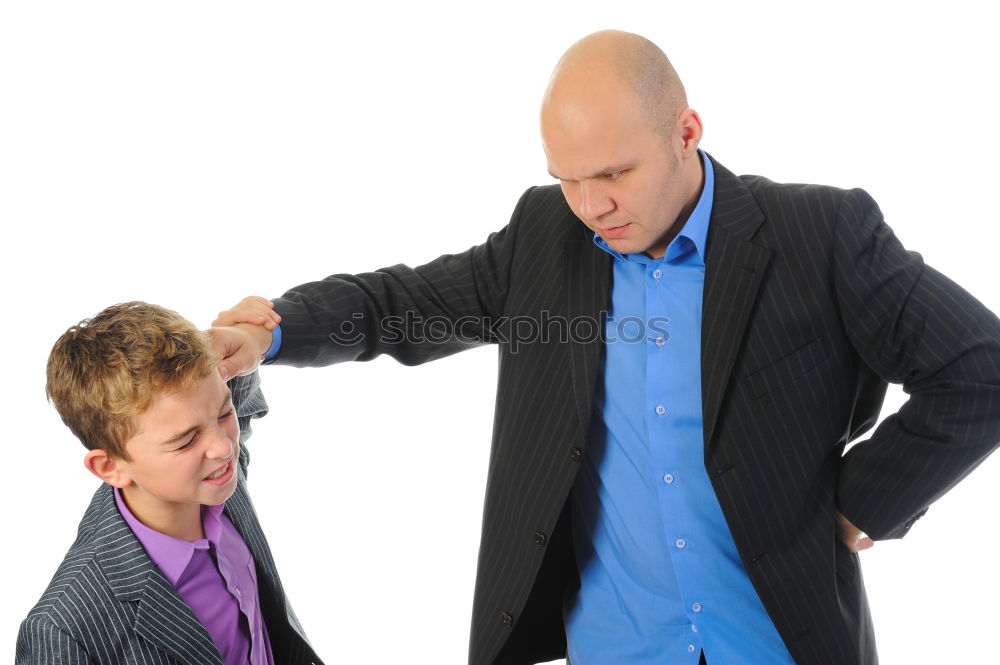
{"x": 170, "y": 564}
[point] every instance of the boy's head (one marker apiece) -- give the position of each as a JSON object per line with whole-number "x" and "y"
{"x": 137, "y": 384}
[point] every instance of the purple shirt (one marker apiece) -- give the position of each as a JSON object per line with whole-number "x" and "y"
{"x": 217, "y": 578}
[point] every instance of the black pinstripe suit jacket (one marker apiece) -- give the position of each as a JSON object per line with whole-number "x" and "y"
{"x": 810, "y": 306}
{"x": 109, "y": 604}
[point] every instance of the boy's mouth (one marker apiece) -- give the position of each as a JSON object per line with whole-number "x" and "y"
{"x": 221, "y": 474}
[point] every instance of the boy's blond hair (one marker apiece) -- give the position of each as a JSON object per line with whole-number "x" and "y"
{"x": 105, "y": 371}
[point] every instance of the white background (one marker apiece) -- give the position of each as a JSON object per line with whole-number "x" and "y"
{"x": 189, "y": 154}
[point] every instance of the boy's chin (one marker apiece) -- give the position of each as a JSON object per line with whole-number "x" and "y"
{"x": 220, "y": 496}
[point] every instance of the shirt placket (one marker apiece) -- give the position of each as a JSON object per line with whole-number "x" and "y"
{"x": 666, "y": 447}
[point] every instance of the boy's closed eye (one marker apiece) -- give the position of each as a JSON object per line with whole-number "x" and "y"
{"x": 231, "y": 412}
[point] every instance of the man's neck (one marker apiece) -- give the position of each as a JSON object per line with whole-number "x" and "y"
{"x": 698, "y": 180}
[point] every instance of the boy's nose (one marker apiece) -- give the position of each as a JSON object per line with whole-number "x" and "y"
{"x": 220, "y": 446}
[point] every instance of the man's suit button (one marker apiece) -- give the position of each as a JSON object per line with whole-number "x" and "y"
{"x": 575, "y": 454}
{"x": 540, "y": 539}
{"x": 507, "y": 619}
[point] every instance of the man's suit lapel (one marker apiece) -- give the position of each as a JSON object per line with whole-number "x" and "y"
{"x": 733, "y": 270}
{"x": 589, "y": 275}
{"x": 162, "y": 618}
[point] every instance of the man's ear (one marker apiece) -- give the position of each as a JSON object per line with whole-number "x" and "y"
{"x": 107, "y": 467}
{"x": 690, "y": 131}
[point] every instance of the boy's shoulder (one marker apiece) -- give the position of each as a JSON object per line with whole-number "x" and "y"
{"x": 106, "y": 599}
{"x": 104, "y": 566}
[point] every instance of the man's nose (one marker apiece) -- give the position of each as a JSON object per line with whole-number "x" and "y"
{"x": 594, "y": 201}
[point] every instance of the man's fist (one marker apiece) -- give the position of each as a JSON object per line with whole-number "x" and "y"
{"x": 241, "y": 348}
{"x": 252, "y": 309}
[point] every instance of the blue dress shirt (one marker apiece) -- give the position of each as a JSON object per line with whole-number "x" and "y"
{"x": 661, "y": 579}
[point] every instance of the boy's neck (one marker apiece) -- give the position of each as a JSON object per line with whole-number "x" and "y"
{"x": 181, "y": 521}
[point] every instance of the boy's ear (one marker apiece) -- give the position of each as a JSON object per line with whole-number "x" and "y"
{"x": 107, "y": 467}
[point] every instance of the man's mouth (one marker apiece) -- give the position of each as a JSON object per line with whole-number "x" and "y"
{"x": 615, "y": 231}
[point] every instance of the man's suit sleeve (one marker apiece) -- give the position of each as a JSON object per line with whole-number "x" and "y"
{"x": 912, "y": 325}
{"x": 41, "y": 642}
{"x": 411, "y": 314}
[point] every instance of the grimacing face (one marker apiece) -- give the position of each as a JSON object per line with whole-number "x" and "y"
{"x": 619, "y": 173}
{"x": 184, "y": 452}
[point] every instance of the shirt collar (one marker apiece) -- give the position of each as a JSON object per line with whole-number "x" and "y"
{"x": 695, "y": 229}
{"x": 172, "y": 555}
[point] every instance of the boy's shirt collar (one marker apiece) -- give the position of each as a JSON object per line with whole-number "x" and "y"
{"x": 172, "y": 555}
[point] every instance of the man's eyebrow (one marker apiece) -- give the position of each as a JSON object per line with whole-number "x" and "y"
{"x": 181, "y": 435}
{"x": 602, "y": 172}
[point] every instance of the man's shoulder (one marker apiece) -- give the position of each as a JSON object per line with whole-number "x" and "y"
{"x": 772, "y": 196}
{"x": 543, "y": 222}
{"x": 789, "y": 206}
{"x": 548, "y": 202}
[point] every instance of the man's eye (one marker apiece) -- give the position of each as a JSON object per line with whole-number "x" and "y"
{"x": 614, "y": 175}
{"x": 226, "y": 414}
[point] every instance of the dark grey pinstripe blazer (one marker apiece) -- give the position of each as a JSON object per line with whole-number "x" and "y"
{"x": 109, "y": 604}
{"x": 811, "y": 305}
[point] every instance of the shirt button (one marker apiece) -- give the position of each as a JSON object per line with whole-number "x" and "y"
{"x": 668, "y": 478}
{"x": 681, "y": 545}
{"x": 660, "y": 341}
{"x": 690, "y": 648}
{"x": 660, "y": 409}
{"x": 696, "y": 607}
{"x": 694, "y": 628}
{"x": 657, "y": 273}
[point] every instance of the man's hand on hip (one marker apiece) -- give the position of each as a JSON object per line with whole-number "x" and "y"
{"x": 852, "y": 537}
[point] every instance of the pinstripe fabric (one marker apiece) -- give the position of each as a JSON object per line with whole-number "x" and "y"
{"x": 109, "y": 604}
{"x": 810, "y": 306}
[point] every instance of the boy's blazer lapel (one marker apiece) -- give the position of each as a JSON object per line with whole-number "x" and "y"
{"x": 161, "y": 617}
{"x": 239, "y": 509}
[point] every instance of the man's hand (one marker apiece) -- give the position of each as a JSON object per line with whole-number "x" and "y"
{"x": 240, "y": 348}
{"x": 852, "y": 536}
{"x": 252, "y": 309}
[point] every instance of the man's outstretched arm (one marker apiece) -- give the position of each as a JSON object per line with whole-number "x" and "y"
{"x": 411, "y": 314}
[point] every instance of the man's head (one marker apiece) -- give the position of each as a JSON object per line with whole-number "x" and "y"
{"x": 619, "y": 137}
{"x": 137, "y": 385}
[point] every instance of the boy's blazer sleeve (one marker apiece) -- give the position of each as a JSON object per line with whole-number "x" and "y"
{"x": 249, "y": 403}
{"x": 914, "y": 326}
{"x": 41, "y": 642}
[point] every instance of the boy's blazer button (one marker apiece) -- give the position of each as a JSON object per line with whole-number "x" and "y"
{"x": 507, "y": 619}
{"x": 575, "y": 454}
{"x": 540, "y": 539}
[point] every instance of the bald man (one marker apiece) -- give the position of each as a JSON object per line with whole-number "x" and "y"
{"x": 679, "y": 376}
